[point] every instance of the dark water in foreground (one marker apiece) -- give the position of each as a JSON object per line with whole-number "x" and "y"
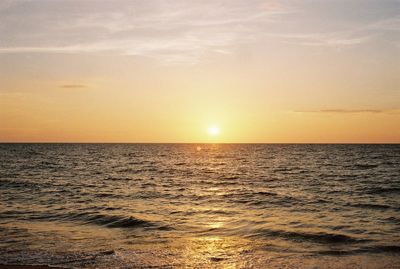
{"x": 224, "y": 206}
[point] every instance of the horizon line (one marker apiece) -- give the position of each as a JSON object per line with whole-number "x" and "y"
{"x": 212, "y": 143}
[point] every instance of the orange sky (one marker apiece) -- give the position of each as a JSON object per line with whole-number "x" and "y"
{"x": 165, "y": 71}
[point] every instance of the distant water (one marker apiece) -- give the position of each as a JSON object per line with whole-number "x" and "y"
{"x": 200, "y": 206}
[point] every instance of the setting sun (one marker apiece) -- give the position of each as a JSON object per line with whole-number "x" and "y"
{"x": 213, "y": 130}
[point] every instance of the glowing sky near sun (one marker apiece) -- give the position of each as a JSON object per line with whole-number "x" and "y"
{"x": 165, "y": 71}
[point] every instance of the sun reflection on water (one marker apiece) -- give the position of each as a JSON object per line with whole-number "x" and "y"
{"x": 214, "y": 252}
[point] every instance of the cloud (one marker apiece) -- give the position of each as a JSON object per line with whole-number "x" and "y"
{"x": 73, "y": 86}
{"x": 169, "y": 31}
{"x": 324, "y": 39}
{"x": 389, "y": 24}
{"x": 352, "y": 36}
{"x": 351, "y": 111}
{"x": 172, "y": 31}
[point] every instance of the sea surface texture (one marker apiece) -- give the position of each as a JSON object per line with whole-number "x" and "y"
{"x": 200, "y": 205}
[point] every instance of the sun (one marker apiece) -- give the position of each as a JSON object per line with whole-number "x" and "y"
{"x": 213, "y": 130}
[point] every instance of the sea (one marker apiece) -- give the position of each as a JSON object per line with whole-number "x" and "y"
{"x": 200, "y": 205}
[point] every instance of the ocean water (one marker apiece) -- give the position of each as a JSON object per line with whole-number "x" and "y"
{"x": 200, "y": 205}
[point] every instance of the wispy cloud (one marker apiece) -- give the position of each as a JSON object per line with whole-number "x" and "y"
{"x": 325, "y": 40}
{"x": 170, "y": 31}
{"x": 352, "y": 36}
{"x": 73, "y": 86}
{"x": 350, "y": 111}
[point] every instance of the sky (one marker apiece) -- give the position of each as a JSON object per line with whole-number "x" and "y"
{"x": 271, "y": 71}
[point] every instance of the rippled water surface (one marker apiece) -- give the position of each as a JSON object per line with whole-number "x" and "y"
{"x": 199, "y": 206}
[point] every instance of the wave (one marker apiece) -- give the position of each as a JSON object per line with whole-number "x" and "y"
{"x": 105, "y": 220}
{"x": 327, "y": 238}
{"x": 118, "y": 178}
{"x": 371, "y": 249}
{"x": 365, "y": 166}
{"x": 371, "y": 206}
{"x": 108, "y": 195}
{"x": 383, "y": 248}
{"x": 20, "y": 184}
{"x": 111, "y": 221}
{"x": 383, "y": 190}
